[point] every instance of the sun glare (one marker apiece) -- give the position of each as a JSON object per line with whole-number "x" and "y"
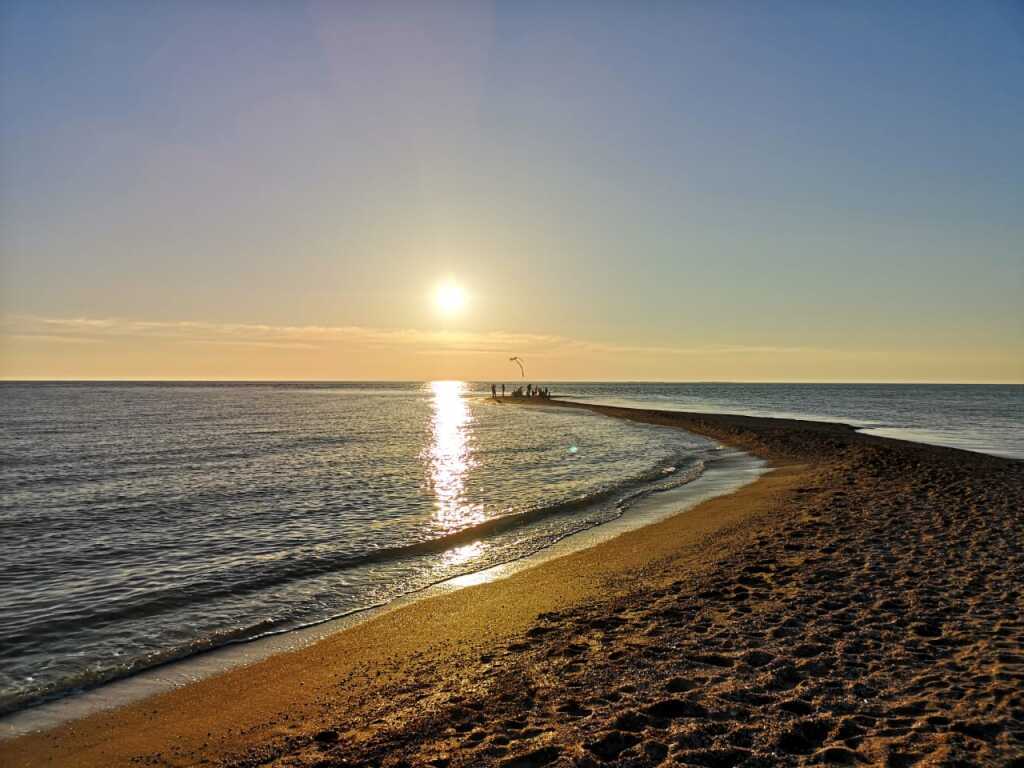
{"x": 449, "y": 298}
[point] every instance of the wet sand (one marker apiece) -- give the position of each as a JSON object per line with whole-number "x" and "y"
{"x": 861, "y": 604}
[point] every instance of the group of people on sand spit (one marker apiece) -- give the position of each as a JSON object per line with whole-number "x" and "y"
{"x": 528, "y": 391}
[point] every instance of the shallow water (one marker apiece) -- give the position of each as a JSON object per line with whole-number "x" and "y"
{"x": 729, "y": 471}
{"x": 145, "y": 522}
{"x": 988, "y": 418}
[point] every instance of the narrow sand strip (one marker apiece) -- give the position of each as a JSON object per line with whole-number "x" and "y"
{"x": 860, "y": 604}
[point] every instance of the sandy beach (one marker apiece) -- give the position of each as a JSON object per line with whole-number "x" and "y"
{"x": 860, "y": 604}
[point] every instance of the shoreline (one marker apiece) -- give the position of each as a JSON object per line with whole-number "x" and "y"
{"x": 922, "y": 436}
{"x": 727, "y": 634}
{"x": 722, "y": 475}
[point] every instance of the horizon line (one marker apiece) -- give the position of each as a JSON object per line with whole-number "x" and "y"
{"x": 158, "y": 380}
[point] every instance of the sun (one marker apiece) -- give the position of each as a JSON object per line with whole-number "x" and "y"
{"x": 449, "y": 298}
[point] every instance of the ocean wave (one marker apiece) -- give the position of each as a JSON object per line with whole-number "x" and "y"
{"x": 616, "y": 498}
{"x": 294, "y": 569}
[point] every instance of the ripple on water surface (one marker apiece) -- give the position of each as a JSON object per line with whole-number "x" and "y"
{"x": 145, "y": 522}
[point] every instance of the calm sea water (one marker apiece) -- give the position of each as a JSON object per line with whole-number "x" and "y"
{"x": 985, "y": 418}
{"x": 145, "y": 522}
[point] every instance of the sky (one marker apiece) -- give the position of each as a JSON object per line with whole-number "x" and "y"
{"x": 669, "y": 191}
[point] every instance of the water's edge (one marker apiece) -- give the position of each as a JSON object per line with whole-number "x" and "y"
{"x": 729, "y": 471}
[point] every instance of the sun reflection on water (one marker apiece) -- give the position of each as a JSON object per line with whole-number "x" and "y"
{"x": 449, "y": 457}
{"x": 464, "y": 554}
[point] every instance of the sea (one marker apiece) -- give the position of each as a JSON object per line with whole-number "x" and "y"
{"x": 142, "y": 523}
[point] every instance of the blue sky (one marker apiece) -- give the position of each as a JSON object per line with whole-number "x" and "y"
{"x": 729, "y": 190}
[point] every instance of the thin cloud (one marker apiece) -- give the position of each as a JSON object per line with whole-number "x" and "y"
{"x": 91, "y": 330}
{"x": 241, "y": 343}
{"x": 48, "y": 338}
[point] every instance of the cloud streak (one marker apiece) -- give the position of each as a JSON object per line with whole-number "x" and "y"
{"x": 309, "y": 337}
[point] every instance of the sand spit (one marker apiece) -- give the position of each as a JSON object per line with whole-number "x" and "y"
{"x": 862, "y": 604}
